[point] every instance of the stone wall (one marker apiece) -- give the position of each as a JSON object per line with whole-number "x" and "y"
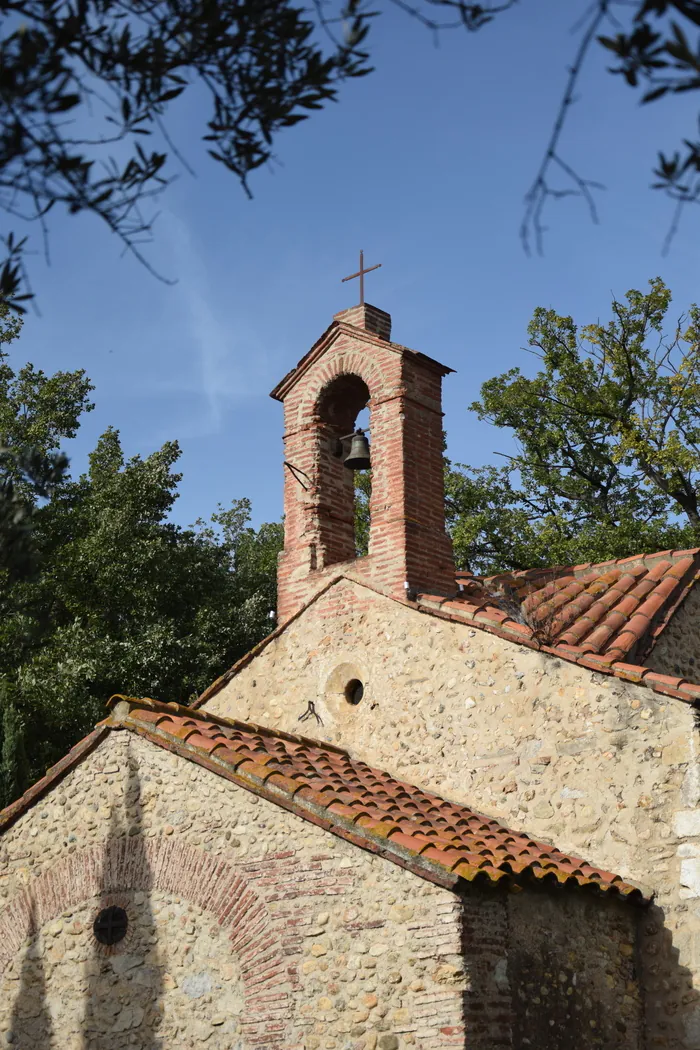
{"x": 572, "y": 972}
{"x": 250, "y": 929}
{"x": 600, "y": 767}
{"x": 677, "y": 651}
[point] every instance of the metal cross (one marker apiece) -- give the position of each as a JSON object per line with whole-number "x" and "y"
{"x": 361, "y": 274}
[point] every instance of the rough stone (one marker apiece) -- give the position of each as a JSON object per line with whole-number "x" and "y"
{"x": 564, "y": 729}
{"x": 690, "y": 877}
{"x": 687, "y": 823}
{"x": 176, "y": 979}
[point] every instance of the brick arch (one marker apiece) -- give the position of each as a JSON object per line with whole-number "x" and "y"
{"x": 340, "y": 363}
{"x": 341, "y": 399}
{"x": 174, "y": 867}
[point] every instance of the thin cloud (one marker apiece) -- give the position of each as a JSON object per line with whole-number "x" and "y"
{"x": 226, "y": 355}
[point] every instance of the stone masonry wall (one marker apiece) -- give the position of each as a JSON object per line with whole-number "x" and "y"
{"x": 677, "y": 651}
{"x": 572, "y": 971}
{"x": 600, "y": 767}
{"x": 250, "y": 929}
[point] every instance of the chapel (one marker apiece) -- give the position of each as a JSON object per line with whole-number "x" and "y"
{"x": 430, "y": 811}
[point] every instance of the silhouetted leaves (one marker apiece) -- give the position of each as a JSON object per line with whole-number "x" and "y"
{"x": 665, "y": 58}
{"x": 116, "y": 67}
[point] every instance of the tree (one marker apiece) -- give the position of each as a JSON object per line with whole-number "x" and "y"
{"x": 651, "y": 48}
{"x": 14, "y": 768}
{"x": 609, "y": 446}
{"x": 609, "y": 438}
{"x": 77, "y": 80}
{"x": 120, "y": 599}
{"x": 36, "y": 413}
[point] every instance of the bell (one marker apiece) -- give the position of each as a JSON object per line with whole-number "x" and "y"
{"x": 358, "y": 457}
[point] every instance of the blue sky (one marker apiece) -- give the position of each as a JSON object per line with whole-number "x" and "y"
{"x": 424, "y": 165}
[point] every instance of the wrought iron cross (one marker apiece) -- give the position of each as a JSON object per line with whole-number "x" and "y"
{"x": 361, "y": 274}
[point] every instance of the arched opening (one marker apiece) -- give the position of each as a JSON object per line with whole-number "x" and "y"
{"x": 342, "y": 401}
{"x": 343, "y": 408}
{"x": 363, "y": 495}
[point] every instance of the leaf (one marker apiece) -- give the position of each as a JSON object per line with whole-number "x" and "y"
{"x": 168, "y": 96}
{"x": 262, "y": 63}
{"x": 610, "y": 43}
{"x": 658, "y": 92}
{"x": 62, "y": 103}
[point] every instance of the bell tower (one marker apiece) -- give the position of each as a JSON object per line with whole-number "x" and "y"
{"x": 352, "y": 366}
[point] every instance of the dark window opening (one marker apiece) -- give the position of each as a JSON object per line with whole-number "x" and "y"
{"x": 342, "y": 402}
{"x": 354, "y": 691}
{"x": 111, "y": 925}
{"x": 344, "y": 405}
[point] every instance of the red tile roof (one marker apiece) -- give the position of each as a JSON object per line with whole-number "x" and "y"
{"x": 439, "y": 840}
{"x": 606, "y": 617}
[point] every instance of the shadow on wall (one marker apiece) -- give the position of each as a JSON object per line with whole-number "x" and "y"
{"x": 672, "y": 1004}
{"x": 30, "y": 1025}
{"x": 92, "y": 982}
{"x": 123, "y": 1007}
{"x": 566, "y": 969}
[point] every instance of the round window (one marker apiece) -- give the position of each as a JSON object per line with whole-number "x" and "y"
{"x": 111, "y": 925}
{"x": 354, "y": 691}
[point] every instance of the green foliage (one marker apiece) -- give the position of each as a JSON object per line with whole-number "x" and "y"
{"x": 114, "y": 69}
{"x": 609, "y": 439}
{"x": 363, "y": 492}
{"x": 609, "y": 446}
{"x": 36, "y": 413}
{"x": 122, "y": 600}
{"x": 14, "y": 768}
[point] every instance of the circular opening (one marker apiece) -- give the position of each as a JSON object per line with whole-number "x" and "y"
{"x": 110, "y": 926}
{"x": 354, "y": 691}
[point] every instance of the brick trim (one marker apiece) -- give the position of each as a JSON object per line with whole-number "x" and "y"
{"x": 175, "y": 867}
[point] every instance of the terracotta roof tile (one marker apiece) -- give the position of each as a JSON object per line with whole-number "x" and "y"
{"x": 438, "y": 839}
{"x": 603, "y": 616}
{"x": 606, "y": 595}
